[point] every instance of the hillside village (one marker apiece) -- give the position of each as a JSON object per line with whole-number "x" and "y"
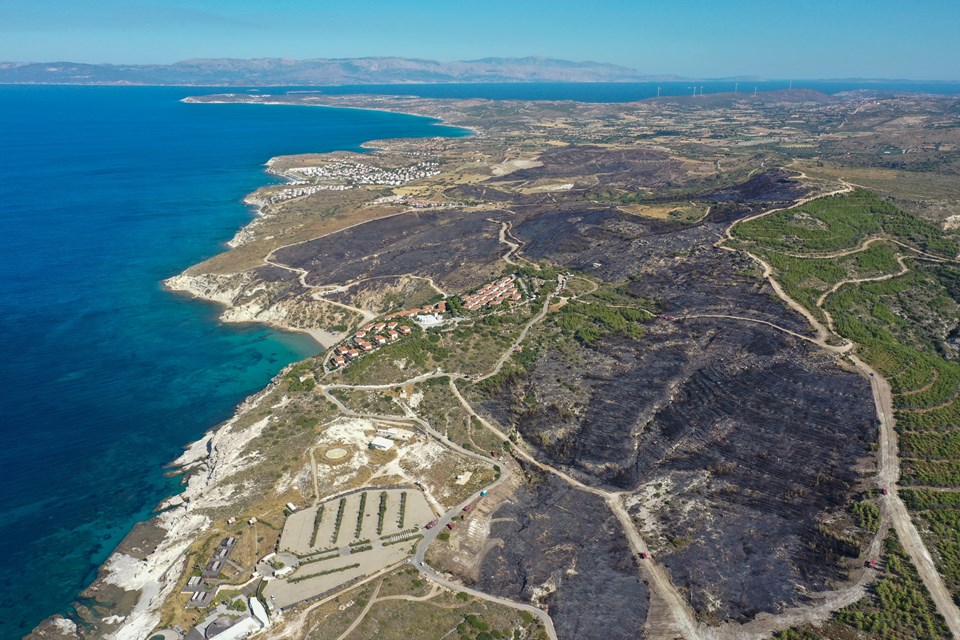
{"x": 344, "y": 175}
{"x": 371, "y": 336}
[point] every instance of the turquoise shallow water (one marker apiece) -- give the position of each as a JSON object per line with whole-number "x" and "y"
{"x": 103, "y": 375}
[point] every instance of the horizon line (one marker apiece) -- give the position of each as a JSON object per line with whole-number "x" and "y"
{"x": 665, "y": 76}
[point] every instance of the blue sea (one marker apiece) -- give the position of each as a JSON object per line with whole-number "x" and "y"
{"x": 104, "y": 376}
{"x": 627, "y": 91}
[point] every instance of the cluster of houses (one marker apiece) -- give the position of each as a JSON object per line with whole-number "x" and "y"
{"x": 428, "y": 310}
{"x": 493, "y": 294}
{"x": 368, "y": 338}
{"x": 360, "y": 173}
{"x": 203, "y": 587}
{"x": 416, "y": 203}
{"x": 419, "y": 203}
{"x": 294, "y": 190}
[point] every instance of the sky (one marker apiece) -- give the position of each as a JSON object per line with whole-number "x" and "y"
{"x": 912, "y": 39}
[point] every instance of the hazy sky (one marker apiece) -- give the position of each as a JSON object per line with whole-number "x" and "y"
{"x": 773, "y": 38}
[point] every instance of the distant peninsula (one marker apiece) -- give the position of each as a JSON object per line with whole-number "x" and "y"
{"x": 321, "y": 71}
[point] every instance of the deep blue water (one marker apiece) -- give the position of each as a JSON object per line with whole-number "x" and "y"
{"x": 103, "y": 375}
{"x": 625, "y": 91}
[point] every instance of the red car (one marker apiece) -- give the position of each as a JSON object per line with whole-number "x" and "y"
{"x": 450, "y": 525}
{"x": 432, "y": 524}
{"x": 644, "y": 555}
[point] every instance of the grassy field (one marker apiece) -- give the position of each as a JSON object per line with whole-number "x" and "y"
{"x": 472, "y": 346}
{"x": 448, "y": 416}
{"x": 369, "y": 401}
{"x": 913, "y": 187}
{"x": 446, "y": 616}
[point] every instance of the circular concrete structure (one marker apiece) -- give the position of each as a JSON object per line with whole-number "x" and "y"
{"x": 337, "y": 453}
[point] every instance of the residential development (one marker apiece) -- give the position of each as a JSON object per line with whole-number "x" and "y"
{"x": 368, "y": 338}
{"x": 359, "y": 173}
{"x": 493, "y": 294}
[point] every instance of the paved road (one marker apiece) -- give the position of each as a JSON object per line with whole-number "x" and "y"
{"x": 430, "y": 535}
{"x": 684, "y": 621}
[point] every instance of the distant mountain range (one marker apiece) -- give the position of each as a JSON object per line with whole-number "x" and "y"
{"x": 320, "y": 72}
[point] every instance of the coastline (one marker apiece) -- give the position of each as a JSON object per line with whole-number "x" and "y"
{"x": 205, "y": 464}
{"x": 199, "y": 287}
{"x": 196, "y": 288}
{"x": 382, "y": 108}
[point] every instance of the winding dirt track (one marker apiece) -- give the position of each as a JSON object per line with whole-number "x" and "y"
{"x": 892, "y": 508}
{"x": 675, "y": 616}
{"x": 680, "y": 618}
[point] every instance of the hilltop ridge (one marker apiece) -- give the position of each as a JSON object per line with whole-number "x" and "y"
{"x": 320, "y": 71}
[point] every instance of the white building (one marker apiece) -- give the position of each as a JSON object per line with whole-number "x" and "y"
{"x": 381, "y": 444}
{"x": 394, "y": 434}
{"x": 429, "y": 320}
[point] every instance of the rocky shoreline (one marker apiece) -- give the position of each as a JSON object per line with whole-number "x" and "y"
{"x": 139, "y": 576}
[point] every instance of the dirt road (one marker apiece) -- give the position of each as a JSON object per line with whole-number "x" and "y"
{"x": 888, "y": 463}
